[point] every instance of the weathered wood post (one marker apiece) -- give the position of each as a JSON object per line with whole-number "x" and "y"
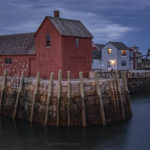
{"x": 50, "y": 89}
{"x": 112, "y": 90}
{"x": 82, "y": 100}
{"x": 119, "y": 94}
{"x": 124, "y": 77}
{"x": 116, "y": 94}
{"x": 18, "y": 95}
{"x": 68, "y": 96}
{"x": 34, "y": 96}
{"x": 4, "y": 83}
{"x": 98, "y": 90}
{"x": 58, "y": 97}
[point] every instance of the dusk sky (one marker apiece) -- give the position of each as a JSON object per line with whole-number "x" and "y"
{"x": 127, "y": 21}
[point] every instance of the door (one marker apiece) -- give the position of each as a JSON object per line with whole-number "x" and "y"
{"x": 32, "y": 67}
{"x": 108, "y": 65}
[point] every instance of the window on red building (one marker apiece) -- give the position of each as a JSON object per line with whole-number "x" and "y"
{"x": 48, "y": 40}
{"x": 8, "y": 61}
{"x": 77, "y": 42}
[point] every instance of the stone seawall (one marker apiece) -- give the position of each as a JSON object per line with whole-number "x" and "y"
{"x": 139, "y": 81}
{"x": 139, "y": 84}
{"x": 112, "y": 103}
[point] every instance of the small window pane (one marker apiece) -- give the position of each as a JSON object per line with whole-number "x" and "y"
{"x": 8, "y": 61}
{"x": 77, "y": 42}
{"x": 109, "y": 50}
{"x": 123, "y": 52}
{"x": 48, "y": 39}
{"x": 123, "y": 63}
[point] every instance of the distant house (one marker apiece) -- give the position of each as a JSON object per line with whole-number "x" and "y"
{"x": 58, "y": 44}
{"x": 113, "y": 55}
{"x": 116, "y": 56}
{"x": 97, "y": 56}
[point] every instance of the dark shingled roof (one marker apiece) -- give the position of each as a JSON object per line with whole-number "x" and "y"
{"x": 96, "y": 54}
{"x": 119, "y": 45}
{"x": 70, "y": 27}
{"x": 100, "y": 46}
{"x": 17, "y": 44}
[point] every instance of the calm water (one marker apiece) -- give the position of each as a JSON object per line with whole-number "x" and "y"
{"x": 131, "y": 135}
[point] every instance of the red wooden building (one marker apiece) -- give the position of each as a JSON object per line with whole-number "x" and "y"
{"x": 58, "y": 44}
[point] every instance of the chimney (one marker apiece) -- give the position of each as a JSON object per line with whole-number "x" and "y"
{"x": 56, "y": 13}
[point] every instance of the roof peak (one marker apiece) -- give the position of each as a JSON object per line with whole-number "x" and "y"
{"x": 70, "y": 27}
{"x": 119, "y": 45}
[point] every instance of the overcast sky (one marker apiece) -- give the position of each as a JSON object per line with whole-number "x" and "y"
{"x": 127, "y": 21}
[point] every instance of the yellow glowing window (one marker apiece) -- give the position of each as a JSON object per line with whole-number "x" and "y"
{"x": 109, "y": 50}
{"x": 123, "y": 52}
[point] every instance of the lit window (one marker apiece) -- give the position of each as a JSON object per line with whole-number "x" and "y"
{"x": 48, "y": 40}
{"x": 8, "y": 61}
{"x": 77, "y": 42}
{"x": 109, "y": 50}
{"x": 123, "y": 52}
{"x": 123, "y": 63}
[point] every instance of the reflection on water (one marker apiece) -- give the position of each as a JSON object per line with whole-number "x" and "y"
{"x": 130, "y": 135}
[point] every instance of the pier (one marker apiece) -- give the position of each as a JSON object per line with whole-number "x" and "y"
{"x": 66, "y": 102}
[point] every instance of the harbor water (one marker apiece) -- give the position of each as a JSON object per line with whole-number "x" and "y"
{"x": 133, "y": 134}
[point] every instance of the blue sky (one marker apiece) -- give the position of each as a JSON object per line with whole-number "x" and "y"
{"x": 127, "y": 21}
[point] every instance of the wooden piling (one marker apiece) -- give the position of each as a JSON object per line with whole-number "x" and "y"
{"x": 124, "y": 77}
{"x": 82, "y": 100}
{"x": 58, "y": 97}
{"x": 50, "y": 89}
{"x": 112, "y": 90}
{"x": 98, "y": 90}
{"x": 68, "y": 96}
{"x": 116, "y": 94}
{"x": 119, "y": 94}
{"x": 18, "y": 95}
{"x": 4, "y": 83}
{"x": 34, "y": 96}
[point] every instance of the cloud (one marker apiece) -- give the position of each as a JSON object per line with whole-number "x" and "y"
{"x": 102, "y": 28}
{"x": 111, "y": 32}
{"x": 30, "y": 26}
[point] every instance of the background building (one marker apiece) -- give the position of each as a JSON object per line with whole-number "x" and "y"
{"x": 97, "y": 56}
{"x": 113, "y": 55}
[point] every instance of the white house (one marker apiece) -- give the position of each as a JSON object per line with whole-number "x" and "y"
{"x": 114, "y": 55}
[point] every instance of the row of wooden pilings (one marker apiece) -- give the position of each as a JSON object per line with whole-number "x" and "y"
{"x": 115, "y": 87}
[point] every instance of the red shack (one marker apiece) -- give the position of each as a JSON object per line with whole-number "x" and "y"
{"x": 58, "y": 44}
